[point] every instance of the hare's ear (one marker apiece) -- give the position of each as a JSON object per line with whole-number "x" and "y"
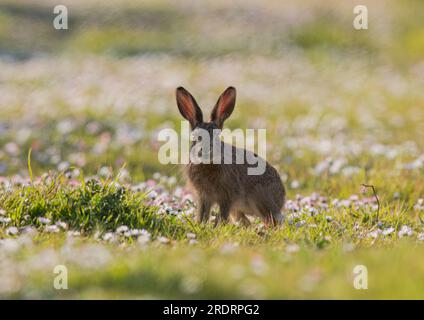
{"x": 188, "y": 107}
{"x": 224, "y": 106}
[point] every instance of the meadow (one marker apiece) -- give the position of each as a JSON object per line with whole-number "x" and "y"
{"x": 81, "y": 184}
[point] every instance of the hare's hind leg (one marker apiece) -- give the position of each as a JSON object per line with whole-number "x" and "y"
{"x": 271, "y": 215}
{"x": 241, "y": 218}
{"x": 274, "y": 219}
{"x": 269, "y": 207}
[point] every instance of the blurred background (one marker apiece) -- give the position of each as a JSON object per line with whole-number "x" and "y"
{"x": 336, "y": 101}
{"x": 341, "y": 107}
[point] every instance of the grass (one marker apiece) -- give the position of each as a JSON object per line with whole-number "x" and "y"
{"x": 219, "y": 273}
{"x": 168, "y": 255}
{"x": 80, "y": 183}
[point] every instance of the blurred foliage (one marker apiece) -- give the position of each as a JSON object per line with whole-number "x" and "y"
{"x": 126, "y": 28}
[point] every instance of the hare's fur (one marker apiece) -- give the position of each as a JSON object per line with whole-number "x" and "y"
{"x": 229, "y": 185}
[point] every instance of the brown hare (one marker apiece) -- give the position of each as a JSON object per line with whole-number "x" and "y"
{"x": 228, "y": 184}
